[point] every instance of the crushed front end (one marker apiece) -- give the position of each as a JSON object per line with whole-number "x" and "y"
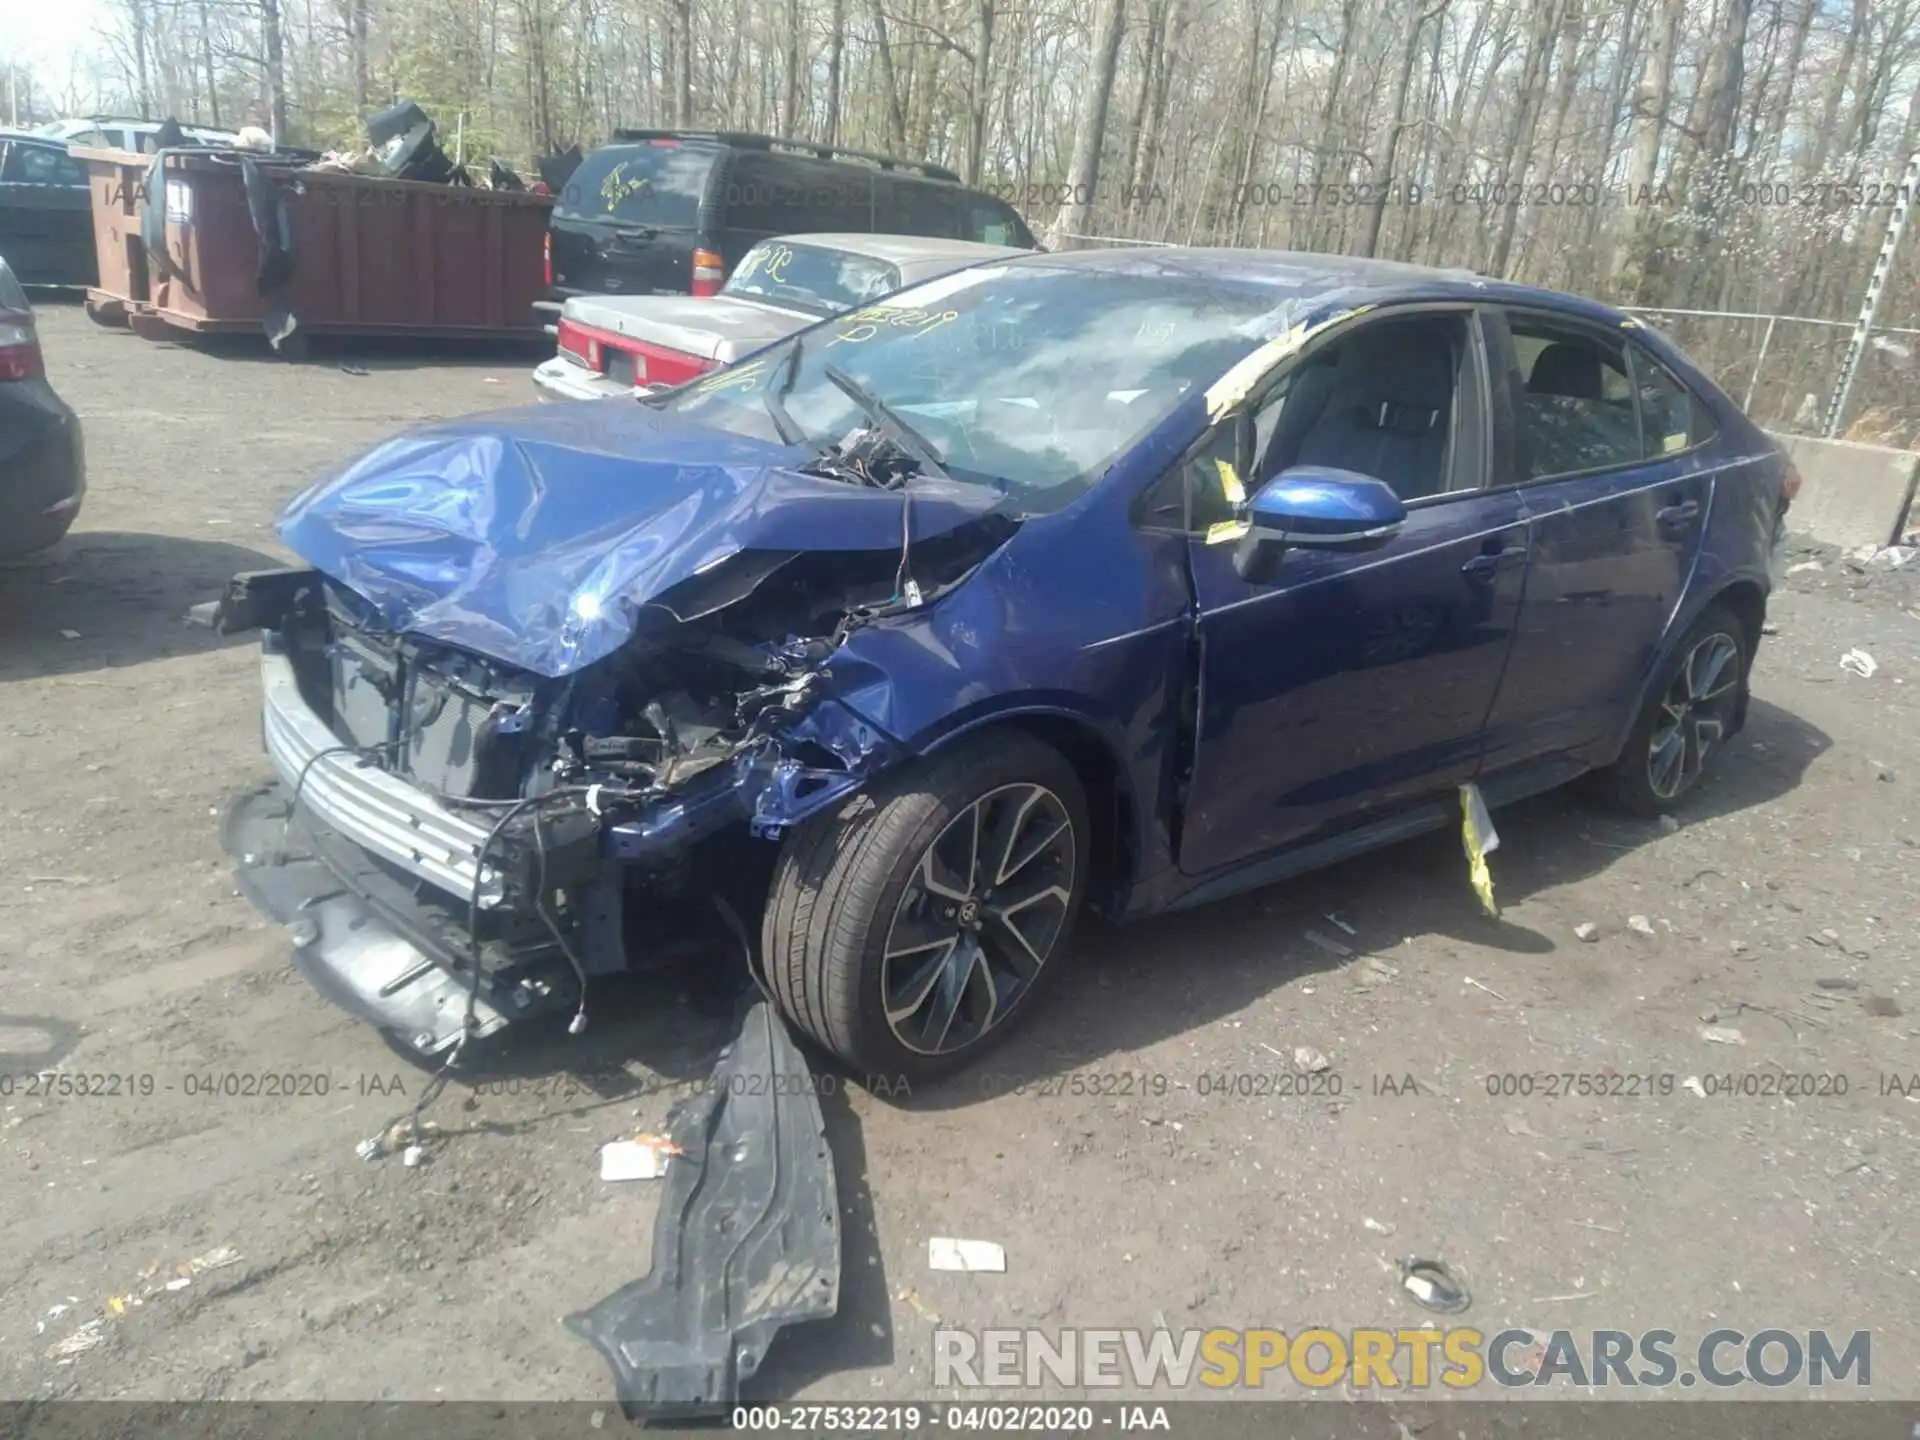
{"x": 455, "y": 843}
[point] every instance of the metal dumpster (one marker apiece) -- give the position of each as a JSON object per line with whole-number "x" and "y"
{"x": 234, "y": 241}
{"x": 116, "y": 181}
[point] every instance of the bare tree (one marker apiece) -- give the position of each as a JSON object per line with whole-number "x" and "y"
{"x": 1090, "y": 132}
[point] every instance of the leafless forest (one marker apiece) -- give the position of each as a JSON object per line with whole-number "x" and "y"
{"x": 1735, "y": 155}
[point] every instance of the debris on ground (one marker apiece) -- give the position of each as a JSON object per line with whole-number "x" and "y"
{"x": 1433, "y": 1286}
{"x": 907, "y": 1295}
{"x": 967, "y": 1256}
{"x": 1885, "y": 1006}
{"x": 1859, "y": 662}
{"x": 1481, "y": 840}
{"x": 1693, "y": 1086}
{"x": 1336, "y": 919}
{"x": 1640, "y": 925}
{"x": 1722, "y": 1035}
{"x": 1372, "y": 971}
{"x": 82, "y": 1340}
{"x": 1310, "y": 1060}
{"x": 1803, "y": 565}
{"x": 218, "y": 1258}
{"x": 69, "y": 634}
{"x": 351, "y": 369}
{"x": 1469, "y": 980}
{"x": 1379, "y": 1227}
{"x": 1668, "y": 824}
{"x": 413, "y": 1155}
{"x": 1836, "y": 982}
{"x": 1586, "y": 930}
{"x": 1327, "y": 943}
{"x": 644, "y": 1157}
{"x": 746, "y": 1239}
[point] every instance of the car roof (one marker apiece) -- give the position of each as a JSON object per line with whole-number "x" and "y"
{"x": 1306, "y": 277}
{"x": 78, "y": 125}
{"x": 903, "y": 249}
{"x": 9, "y": 133}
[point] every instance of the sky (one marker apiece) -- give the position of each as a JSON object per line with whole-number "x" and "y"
{"x": 45, "y": 33}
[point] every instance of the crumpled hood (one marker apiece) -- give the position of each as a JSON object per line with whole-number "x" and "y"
{"x": 535, "y": 535}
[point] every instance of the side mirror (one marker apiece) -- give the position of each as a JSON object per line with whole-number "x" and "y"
{"x": 1316, "y": 507}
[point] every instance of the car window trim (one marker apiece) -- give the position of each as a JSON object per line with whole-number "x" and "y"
{"x": 1579, "y": 325}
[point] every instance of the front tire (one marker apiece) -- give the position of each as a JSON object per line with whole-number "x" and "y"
{"x": 1694, "y": 707}
{"x": 909, "y": 928}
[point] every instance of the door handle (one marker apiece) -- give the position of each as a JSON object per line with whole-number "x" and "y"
{"x": 1674, "y": 516}
{"x": 1483, "y": 568}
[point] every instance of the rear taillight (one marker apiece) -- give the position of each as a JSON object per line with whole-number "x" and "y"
{"x": 576, "y": 341}
{"x": 20, "y": 357}
{"x": 1790, "y": 487}
{"x": 709, "y": 272}
{"x": 546, "y": 253}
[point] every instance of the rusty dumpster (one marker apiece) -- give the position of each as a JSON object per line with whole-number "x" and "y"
{"x": 225, "y": 241}
{"x": 116, "y": 182}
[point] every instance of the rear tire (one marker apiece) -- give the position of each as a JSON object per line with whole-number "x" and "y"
{"x": 1694, "y": 707}
{"x": 911, "y": 927}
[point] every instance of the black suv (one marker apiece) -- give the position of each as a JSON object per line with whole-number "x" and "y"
{"x": 670, "y": 212}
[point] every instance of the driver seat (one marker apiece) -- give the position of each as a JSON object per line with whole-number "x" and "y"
{"x": 1384, "y": 408}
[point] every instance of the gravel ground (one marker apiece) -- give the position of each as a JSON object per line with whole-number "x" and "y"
{"x": 1128, "y": 1147}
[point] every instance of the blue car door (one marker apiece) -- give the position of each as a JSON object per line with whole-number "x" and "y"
{"x": 1612, "y": 457}
{"x": 1354, "y": 682}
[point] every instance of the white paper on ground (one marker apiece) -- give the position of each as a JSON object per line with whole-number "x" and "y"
{"x": 630, "y": 1160}
{"x": 944, "y": 1253}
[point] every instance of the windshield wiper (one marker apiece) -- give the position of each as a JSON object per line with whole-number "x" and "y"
{"x": 888, "y": 423}
{"x": 783, "y": 421}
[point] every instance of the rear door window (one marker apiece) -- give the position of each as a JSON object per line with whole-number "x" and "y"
{"x": 918, "y": 207}
{"x": 1671, "y": 419}
{"x": 1576, "y": 410}
{"x": 646, "y": 184}
{"x": 769, "y": 194}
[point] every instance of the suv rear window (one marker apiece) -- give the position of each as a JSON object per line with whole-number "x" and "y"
{"x": 641, "y": 185}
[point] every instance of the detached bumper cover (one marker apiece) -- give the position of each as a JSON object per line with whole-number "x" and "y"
{"x": 746, "y": 1241}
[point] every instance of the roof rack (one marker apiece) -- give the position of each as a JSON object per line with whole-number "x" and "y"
{"x": 748, "y": 140}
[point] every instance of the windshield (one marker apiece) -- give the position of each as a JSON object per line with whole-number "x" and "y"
{"x": 1028, "y": 378}
{"x": 660, "y": 183}
{"x": 810, "y": 278}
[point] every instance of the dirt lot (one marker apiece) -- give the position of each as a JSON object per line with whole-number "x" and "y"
{"x": 1144, "y": 1168}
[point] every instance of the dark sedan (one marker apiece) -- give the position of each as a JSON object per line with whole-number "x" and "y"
{"x": 46, "y": 215}
{"x": 43, "y": 473}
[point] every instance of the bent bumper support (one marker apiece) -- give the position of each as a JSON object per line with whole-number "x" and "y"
{"x": 357, "y": 951}
{"x": 747, "y": 1239}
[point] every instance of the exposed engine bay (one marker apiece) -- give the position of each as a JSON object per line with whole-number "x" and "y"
{"x": 619, "y": 802}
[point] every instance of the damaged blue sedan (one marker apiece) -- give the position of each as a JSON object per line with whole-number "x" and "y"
{"x": 1128, "y": 579}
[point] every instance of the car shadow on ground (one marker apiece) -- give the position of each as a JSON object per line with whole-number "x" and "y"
{"x": 1130, "y": 987}
{"x": 101, "y": 599}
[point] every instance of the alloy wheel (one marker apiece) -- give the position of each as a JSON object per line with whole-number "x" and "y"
{"x": 1693, "y": 715}
{"x": 983, "y": 908}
